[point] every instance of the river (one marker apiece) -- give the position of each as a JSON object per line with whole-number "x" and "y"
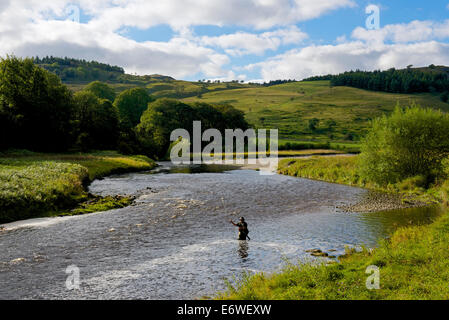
{"x": 176, "y": 242}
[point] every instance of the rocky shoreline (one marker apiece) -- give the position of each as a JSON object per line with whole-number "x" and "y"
{"x": 379, "y": 201}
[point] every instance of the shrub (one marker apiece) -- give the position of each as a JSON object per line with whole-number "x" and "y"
{"x": 410, "y": 142}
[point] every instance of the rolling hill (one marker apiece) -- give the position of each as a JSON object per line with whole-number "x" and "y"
{"x": 302, "y": 111}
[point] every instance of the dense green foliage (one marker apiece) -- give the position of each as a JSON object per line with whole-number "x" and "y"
{"x": 131, "y": 104}
{"x": 166, "y": 115}
{"x": 432, "y": 79}
{"x": 97, "y": 122}
{"x": 101, "y": 90}
{"x": 35, "y": 108}
{"x": 411, "y": 142}
{"x": 79, "y": 70}
{"x": 33, "y": 185}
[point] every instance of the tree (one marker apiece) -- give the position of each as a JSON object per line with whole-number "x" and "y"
{"x": 131, "y": 104}
{"x": 410, "y": 142}
{"x": 210, "y": 117}
{"x": 445, "y": 96}
{"x": 97, "y": 122}
{"x": 35, "y": 107}
{"x": 233, "y": 118}
{"x": 313, "y": 123}
{"x": 157, "y": 123}
{"x": 101, "y": 90}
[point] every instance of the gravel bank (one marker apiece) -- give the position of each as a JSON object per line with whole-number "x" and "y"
{"x": 378, "y": 201}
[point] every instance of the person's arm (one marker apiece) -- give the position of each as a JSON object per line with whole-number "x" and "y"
{"x": 235, "y": 225}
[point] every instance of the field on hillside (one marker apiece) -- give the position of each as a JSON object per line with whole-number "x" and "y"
{"x": 343, "y": 112}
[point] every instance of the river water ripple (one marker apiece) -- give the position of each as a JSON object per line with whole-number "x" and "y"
{"x": 176, "y": 242}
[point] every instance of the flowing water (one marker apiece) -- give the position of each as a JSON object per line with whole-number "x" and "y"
{"x": 176, "y": 242}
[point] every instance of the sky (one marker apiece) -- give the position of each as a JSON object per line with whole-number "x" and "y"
{"x": 249, "y": 40}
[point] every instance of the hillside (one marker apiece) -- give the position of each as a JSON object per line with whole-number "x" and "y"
{"x": 341, "y": 113}
{"x": 302, "y": 111}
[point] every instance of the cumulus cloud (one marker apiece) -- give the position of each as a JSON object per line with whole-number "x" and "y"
{"x": 37, "y": 27}
{"x": 241, "y": 43}
{"x": 29, "y": 33}
{"x": 398, "y": 45}
{"x": 407, "y": 32}
{"x": 261, "y": 14}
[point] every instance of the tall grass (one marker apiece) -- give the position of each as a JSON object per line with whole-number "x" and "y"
{"x": 341, "y": 169}
{"x": 32, "y": 185}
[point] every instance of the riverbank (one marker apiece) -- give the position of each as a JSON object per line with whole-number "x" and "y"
{"x": 42, "y": 185}
{"x": 343, "y": 170}
{"x": 413, "y": 262}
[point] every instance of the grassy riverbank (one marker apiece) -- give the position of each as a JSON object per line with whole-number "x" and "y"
{"x": 414, "y": 262}
{"x": 343, "y": 170}
{"x": 37, "y": 185}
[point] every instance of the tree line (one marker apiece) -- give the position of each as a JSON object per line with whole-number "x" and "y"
{"x": 411, "y": 80}
{"x": 71, "y": 70}
{"x": 38, "y": 112}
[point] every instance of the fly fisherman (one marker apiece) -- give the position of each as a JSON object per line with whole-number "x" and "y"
{"x": 243, "y": 229}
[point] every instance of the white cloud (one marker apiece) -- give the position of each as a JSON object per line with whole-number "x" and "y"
{"x": 178, "y": 57}
{"x": 30, "y": 28}
{"x": 241, "y": 43}
{"x": 333, "y": 59}
{"x": 398, "y": 46}
{"x": 261, "y": 14}
{"x": 402, "y": 33}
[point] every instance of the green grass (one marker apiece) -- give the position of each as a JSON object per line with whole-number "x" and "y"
{"x": 35, "y": 185}
{"x": 341, "y": 170}
{"x": 414, "y": 264}
{"x": 289, "y": 107}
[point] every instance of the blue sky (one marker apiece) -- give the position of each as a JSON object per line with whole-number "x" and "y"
{"x": 250, "y": 40}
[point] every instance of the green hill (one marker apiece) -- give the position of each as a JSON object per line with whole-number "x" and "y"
{"x": 340, "y": 113}
{"x": 302, "y": 111}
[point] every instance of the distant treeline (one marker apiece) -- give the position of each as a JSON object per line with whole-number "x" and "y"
{"x": 38, "y": 112}
{"x": 69, "y": 69}
{"x": 410, "y": 80}
{"x": 75, "y": 70}
{"x": 276, "y": 82}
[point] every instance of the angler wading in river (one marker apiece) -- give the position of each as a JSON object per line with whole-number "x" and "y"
{"x": 243, "y": 229}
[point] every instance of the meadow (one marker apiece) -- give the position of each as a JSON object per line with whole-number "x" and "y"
{"x": 343, "y": 113}
{"x": 36, "y": 185}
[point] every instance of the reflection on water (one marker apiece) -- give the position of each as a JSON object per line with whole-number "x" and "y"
{"x": 388, "y": 222}
{"x": 176, "y": 241}
{"x": 192, "y": 169}
{"x": 243, "y": 249}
